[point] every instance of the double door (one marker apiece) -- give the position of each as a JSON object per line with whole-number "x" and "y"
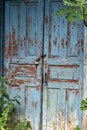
{"x": 43, "y": 60}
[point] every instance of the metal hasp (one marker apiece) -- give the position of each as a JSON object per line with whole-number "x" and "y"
{"x": 43, "y": 60}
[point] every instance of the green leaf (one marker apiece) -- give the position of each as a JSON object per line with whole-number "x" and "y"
{"x": 75, "y": 10}
{"x": 84, "y": 105}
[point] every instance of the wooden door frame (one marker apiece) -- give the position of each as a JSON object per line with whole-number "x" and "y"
{"x": 84, "y": 116}
{"x": 84, "y": 65}
{"x": 1, "y": 37}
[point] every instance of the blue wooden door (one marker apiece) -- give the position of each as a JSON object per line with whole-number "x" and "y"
{"x": 23, "y": 46}
{"x": 63, "y": 47}
{"x": 43, "y": 60}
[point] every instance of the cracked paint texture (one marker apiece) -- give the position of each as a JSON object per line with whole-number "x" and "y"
{"x": 32, "y": 27}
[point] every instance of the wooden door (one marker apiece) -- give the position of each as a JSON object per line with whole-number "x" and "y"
{"x": 50, "y": 87}
{"x": 63, "y": 46}
{"x": 23, "y": 46}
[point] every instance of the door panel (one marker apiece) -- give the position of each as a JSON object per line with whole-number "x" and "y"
{"x": 23, "y": 45}
{"x": 63, "y": 70}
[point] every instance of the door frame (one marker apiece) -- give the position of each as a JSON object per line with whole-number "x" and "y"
{"x": 84, "y": 116}
{"x": 84, "y": 62}
{"x": 1, "y": 37}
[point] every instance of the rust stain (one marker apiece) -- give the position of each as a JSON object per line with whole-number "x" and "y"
{"x": 49, "y": 48}
{"x": 46, "y": 20}
{"x": 64, "y": 66}
{"x": 61, "y": 80}
{"x": 78, "y": 51}
{"x": 10, "y": 45}
{"x": 68, "y": 36}
{"x": 5, "y": 70}
{"x": 68, "y": 29}
{"x": 24, "y": 70}
{"x": 54, "y": 28}
{"x": 55, "y": 41}
{"x": 11, "y": 48}
{"x": 62, "y": 43}
{"x": 67, "y": 43}
{"x": 66, "y": 94}
{"x": 25, "y": 2}
{"x": 6, "y": 51}
{"x": 18, "y": 81}
{"x": 80, "y": 42}
{"x": 25, "y": 95}
{"x": 13, "y": 33}
{"x": 77, "y": 92}
{"x": 38, "y": 87}
{"x": 71, "y": 90}
{"x": 27, "y": 25}
{"x": 13, "y": 42}
{"x": 15, "y": 86}
{"x": 34, "y": 104}
{"x": 21, "y": 71}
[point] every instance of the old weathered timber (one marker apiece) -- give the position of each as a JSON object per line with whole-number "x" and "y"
{"x": 43, "y": 60}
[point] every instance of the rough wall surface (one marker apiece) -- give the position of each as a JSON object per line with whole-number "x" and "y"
{"x": 85, "y": 78}
{"x": 1, "y": 32}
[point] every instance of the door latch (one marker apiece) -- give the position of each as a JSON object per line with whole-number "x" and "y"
{"x": 39, "y": 58}
{"x": 46, "y": 79}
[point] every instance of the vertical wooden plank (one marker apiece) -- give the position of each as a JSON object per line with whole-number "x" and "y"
{"x": 53, "y": 29}
{"x": 18, "y": 91}
{"x": 73, "y": 115}
{"x": 22, "y": 32}
{"x": 63, "y": 36}
{"x": 73, "y": 40}
{"x": 33, "y": 106}
{"x": 54, "y": 109}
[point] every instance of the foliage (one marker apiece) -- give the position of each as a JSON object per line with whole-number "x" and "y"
{"x": 84, "y": 104}
{"x": 7, "y": 108}
{"x": 83, "y": 108}
{"x": 6, "y": 117}
{"x": 74, "y": 10}
{"x": 76, "y": 128}
{"x": 22, "y": 125}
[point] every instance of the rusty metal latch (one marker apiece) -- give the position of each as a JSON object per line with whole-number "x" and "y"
{"x": 46, "y": 79}
{"x": 39, "y": 58}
